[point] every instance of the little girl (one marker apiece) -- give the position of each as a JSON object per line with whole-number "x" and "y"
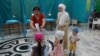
{"x": 38, "y": 50}
{"x": 58, "y": 45}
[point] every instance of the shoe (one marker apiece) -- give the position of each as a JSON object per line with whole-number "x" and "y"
{"x": 70, "y": 54}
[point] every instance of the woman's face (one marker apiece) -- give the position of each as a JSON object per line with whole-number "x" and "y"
{"x": 60, "y": 9}
{"x": 36, "y": 12}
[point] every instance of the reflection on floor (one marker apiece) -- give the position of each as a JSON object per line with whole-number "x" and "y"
{"x": 18, "y": 47}
{"x": 89, "y": 44}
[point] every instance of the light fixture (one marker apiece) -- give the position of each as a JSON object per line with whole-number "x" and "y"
{"x": 14, "y": 16}
{"x": 49, "y": 14}
{"x": 32, "y": 14}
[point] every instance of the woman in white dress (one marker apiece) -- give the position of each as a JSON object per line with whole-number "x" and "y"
{"x": 63, "y": 22}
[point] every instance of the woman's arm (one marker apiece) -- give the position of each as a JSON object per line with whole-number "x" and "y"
{"x": 68, "y": 20}
{"x": 31, "y": 24}
{"x": 43, "y": 24}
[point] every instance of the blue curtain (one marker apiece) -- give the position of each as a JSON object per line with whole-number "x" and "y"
{"x": 6, "y": 11}
{"x": 76, "y": 8}
{"x": 0, "y": 16}
{"x": 16, "y": 11}
{"x": 23, "y": 14}
{"x": 29, "y": 5}
{"x": 79, "y": 10}
{"x": 55, "y": 8}
{"x": 0, "y": 22}
{"x": 93, "y": 5}
{"x": 50, "y": 7}
{"x": 42, "y": 6}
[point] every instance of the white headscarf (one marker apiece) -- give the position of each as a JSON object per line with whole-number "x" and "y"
{"x": 62, "y": 6}
{"x": 63, "y": 17}
{"x": 59, "y": 34}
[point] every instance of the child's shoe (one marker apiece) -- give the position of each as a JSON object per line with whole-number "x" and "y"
{"x": 70, "y": 54}
{"x": 73, "y": 54}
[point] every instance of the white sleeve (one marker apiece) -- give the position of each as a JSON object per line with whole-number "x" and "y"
{"x": 67, "y": 21}
{"x": 68, "y": 18}
{"x": 57, "y": 18}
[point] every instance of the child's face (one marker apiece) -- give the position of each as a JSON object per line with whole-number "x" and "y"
{"x": 74, "y": 33}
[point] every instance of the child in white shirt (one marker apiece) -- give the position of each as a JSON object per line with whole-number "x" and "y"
{"x": 73, "y": 41}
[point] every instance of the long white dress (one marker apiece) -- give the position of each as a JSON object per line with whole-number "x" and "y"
{"x": 63, "y": 19}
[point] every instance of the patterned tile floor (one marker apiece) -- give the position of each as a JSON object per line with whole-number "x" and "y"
{"x": 89, "y": 44}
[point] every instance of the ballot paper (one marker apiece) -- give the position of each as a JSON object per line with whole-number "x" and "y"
{"x": 37, "y": 27}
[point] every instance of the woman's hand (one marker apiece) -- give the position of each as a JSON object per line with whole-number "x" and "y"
{"x": 74, "y": 42}
{"x": 43, "y": 24}
{"x": 41, "y": 27}
{"x": 31, "y": 24}
{"x": 62, "y": 26}
{"x": 34, "y": 29}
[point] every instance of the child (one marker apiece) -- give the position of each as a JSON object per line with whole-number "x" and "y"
{"x": 39, "y": 49}
{"x": 58, "y": 45}
{"x": 73, "y": 41}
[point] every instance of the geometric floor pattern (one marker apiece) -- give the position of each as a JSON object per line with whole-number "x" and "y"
{"x": 15, "y": 47}
{"x": 89, "y": 44}
{"x": 18, "y": 47}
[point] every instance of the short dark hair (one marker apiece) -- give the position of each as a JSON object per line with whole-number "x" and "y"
{"x": 36, "y": 8}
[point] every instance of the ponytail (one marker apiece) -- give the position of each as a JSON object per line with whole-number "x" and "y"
{"x": 61, "y": 41}
{"x": 39, "y": 48}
